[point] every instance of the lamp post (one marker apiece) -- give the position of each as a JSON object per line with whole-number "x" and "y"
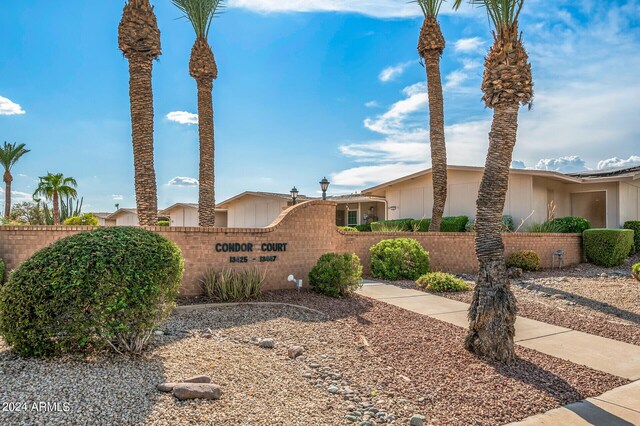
{"x": 294, "y": 195}
{"x": 324, "y": 185}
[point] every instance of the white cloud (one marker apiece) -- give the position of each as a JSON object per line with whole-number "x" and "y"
{"x": 517, "y": 164}
{"x": 393, "y": 72}
{"x": 366, "y": 175}
{"x": 117, "y": 197}
{"x": 375, "y": 8}
{"x": 183, "y": 181}
{"x": 183, "y": 117}
{"x": 466, "y": 45}
{"x": 615, "y": 162}
{"x": 569, "y": 164}
{"x": 18, "y": 196}
{"x": 372, "y": 104}
{"x": 395, "y": 119}
{"x": 454, "y": 80}
{"x": 8, "y": 107}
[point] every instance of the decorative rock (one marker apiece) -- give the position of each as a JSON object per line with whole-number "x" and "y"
{"x": 365, "y": 423}
{"x": 351, "y": 418}
{"x": 557, "y": 296}
{"x": 417, "y": 420}
{"x": 198, "y": 379}
{"x": 314, "y": 365}
{"x": 295, "y": 351}
{"x": 266, "y": 343}
{"x": 307, "y": 375}
{"x": 158, "y": 332}
{"x": 184, "y": 391}
{"x": 165, "y": 387}
{"x": 333, "y": 389}
{"x": 514, "y": 272}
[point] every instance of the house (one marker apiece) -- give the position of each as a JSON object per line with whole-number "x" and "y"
{"x": 605, "y": 198}
{"x": 122, "y": 217}
{"x": 186, "y": 214}
{"x": 103, "y": 219}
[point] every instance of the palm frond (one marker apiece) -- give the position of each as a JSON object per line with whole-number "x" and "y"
{"x": 200, "y": 13}
{"x": 10, "y": 153}
{"x": 430, "y": 7}
{"x": 502, "y": 13}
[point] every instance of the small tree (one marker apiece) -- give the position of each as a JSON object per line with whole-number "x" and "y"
{"x": 52, "y": 187}
{"x": 10, "y": 153}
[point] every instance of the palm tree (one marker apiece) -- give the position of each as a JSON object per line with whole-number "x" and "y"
{"x": 52, "y": 187}
{"x": 10, "y": 153}
{"x": 507, "y": 84}
{"x": 139, "y": 40}
{"x": 203, "y": 68}
{"x": 431, "y": 44}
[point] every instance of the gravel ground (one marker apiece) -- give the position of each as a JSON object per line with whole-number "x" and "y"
{"x": 384, "y": 363}
{"x": 588, "y": 298}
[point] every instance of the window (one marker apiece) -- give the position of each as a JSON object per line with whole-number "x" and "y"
{"x": 352, "y": 217}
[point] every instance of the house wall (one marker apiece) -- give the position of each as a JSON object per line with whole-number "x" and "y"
{"x": 612, "y": 203}
{"x": 253, "y": 211}
{"x": 629, "y": 201}
{"x": 126, "y": 219}
{"x": 308, "y": 229}
{"x": 184, "y": 216}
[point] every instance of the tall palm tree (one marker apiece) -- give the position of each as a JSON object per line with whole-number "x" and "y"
{"x": 139, "y": 41}
{"x": 10, "y": 153}
{"x": 52, "y": 187}
{"x": 203, "y": 68}
{"x": 431, "y": 44}
{"x": 507, "y": 84}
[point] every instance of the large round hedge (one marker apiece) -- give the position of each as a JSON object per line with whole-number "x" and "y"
{"x": 400, "y": 258}
{"x": 110, "y": 286}
{"x": 607, "y": 247}
{"x": 336, "y": 275}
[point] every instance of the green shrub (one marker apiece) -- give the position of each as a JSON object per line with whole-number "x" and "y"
{"x": 1, "y": 272}
{"x": 507, "y": 224}
{"x": 527, "y": 260}
{"x": 395, "y": 225}
{"x": 607, "y": 247}
{"x": 421, "y": 225}
{"x": 108, "y": 286}
{"x": 453, "y": 224}
{"x": 440, "y": 282}
{"x": 635, "y": 271}
{"x": 545, "y": 227}
{"x": 571, "y": 225}
{"x": 164, "y": 223}
{"x": 364, "y": 228}
{"x": 348, "y": 228}
{"x": 400, "y": 258}
{"x": 231, "y": 285}
{"x": 86, "y": 219}
{"x": 634, "y": 225}
{"x": 336, "y": 275}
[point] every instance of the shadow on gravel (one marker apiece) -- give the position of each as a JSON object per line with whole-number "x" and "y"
{"x": 592, "y": 304}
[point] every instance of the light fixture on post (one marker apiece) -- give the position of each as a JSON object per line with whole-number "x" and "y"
{"x": 294, "y": 195}
{"x": 324, "y": 185}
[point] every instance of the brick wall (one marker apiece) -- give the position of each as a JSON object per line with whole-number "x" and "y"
{"x": 309, "y": 231}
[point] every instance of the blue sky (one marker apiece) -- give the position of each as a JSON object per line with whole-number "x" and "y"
{"x": 308, "y": 88}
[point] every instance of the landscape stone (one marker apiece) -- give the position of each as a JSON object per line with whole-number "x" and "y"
{"x": 184, "y": 391}
{"x": 417, "y": 420}
{"x": 333, "y": 389}
{"x": 267, "y": 343}
{"x": 198, "y": 379}
{"x": 165, "y": 387}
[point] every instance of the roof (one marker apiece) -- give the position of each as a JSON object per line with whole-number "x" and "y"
{"x": 188, "y": 205}
{"x": 618, "y": 172}
{"x": 545, "y": 173}
{"x": 117, "y": 212}
{"x": 266, "y": 195}
{"x": 101, "y": 215}
{"x": 355, "y": 198}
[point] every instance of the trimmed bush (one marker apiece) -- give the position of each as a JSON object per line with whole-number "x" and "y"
{"x": 336, "y": 275}
{"x": 440, "y": 282}
{"x": 231, "y": 285}
{"x": 400, "y": 258}
{"x": 507, "y": 225}
{"x": 1, "y": 272}
{"x": 545, "y": 228}
{"x": 635, "y": 271}
{"x": 571, "y": 225}
{"x": 395, "y": 225}
{"x": 109, "y": 286}
{"x": 453, "y": 224}
{"x": 348, "y": 229}
{"x": 607, "y": 247}
{"x": 634, "y": 225}
{"x": 421, "y": 225}
{"x": 363, "y": 228}
{"x": 164, "y": 223}
{"x": 527, "y": 260}
{"x": 86, "y": 219}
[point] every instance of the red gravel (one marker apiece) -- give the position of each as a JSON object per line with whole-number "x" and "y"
{"x": 417, "y": 364}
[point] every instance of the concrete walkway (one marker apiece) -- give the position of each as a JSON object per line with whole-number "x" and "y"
{"x": 620, "y": 406}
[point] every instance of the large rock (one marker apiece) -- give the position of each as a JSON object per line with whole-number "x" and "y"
{"x": 198, "y": 379}
{"x": 267, "y": 343}
{"x": 295, "y": 351}
{"x": 165, "y": 387}
{"x": 184, "y": 391}
{"x": 418, "y": 420}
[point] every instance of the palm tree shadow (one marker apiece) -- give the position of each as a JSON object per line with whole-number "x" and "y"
{"x": 595, "y": 415}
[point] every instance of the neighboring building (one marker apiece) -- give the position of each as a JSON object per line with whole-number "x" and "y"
{"x": 605, "y": 198}
{"x": 122, "y": 217}
{"x": 103, "y": 219}
{"x": 186, "y": 214}
{"x": 357, "y": 209}
{"x": 256, "y": 209}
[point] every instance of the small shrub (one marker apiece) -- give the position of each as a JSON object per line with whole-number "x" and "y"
{"x": 635, "y": 271}
{"x": 164, "y": 223}
{"x": 571, "y": 225}
{"x": 507, "y": 225}
{"x": 545, "y": 227}
{"x": 453, "y": 223}
{"x": 86, "y": 219}
{"x": 1, "y": 272}
{"x": 440, "y": 282}
{"x": 395, "y": 225}
{"x": 231, "y": 285}
{"x": 400, "y": 258}
{"x": 336, "y": 275}
{"x": 607, "y": 247}
{"x": 421, "y": 225}
{"x": 634, "y": 225}
{"x": 348, "y": 228}
{"x": 109, "y": 286}
{"x": 364, "y": 227}
{"x": 527, "y": 260}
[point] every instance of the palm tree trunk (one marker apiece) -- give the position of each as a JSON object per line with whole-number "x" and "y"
{"x": 56, "y": 209}
{"x": 141, "y": 96}
{"x": 492, "y": 313}
{"x": 206, "y": 195}
{"x": 7, "y": 193}
{"x": 436, "y": 138}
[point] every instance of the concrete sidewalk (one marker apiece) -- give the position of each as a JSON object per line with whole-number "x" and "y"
{"x": 618, "y": 407}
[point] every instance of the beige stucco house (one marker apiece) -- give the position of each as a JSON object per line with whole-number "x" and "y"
{"x": 605, "y": 198}
{"x": 186, "y": 214}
